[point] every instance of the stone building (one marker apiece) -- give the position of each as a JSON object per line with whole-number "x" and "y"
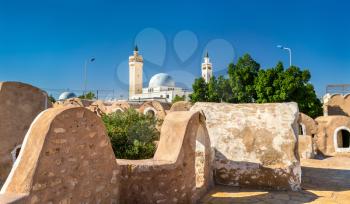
{"x": 19, "y": 104}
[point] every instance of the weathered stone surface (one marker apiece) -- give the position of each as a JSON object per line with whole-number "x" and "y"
{"x": 308, "y": 124}
{"x": 19, "y": 104}
{"x": 306, "y": 140}
{"x": 255, "y": 144}
{"x": 330, "y": 129}
{"x": 61, "y": 163}
{"x": 305, "y": 147}
{"x": 73, "y": 102}
{"x": 180, "y": 170}
{"x": 181, "y": 106}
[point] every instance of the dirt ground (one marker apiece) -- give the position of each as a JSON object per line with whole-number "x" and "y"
{"x": 324, "y": 181}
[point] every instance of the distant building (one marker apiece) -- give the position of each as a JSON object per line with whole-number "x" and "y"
{"x": 66, "y": 95}
{"x": 161, "y": 87}
{"x": 207, "y": 71}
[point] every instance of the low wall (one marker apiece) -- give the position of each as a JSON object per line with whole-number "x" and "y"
{"x": 255, "y": 144}
{"x": 19, "y": 104}
{"x": 180, "y": 170}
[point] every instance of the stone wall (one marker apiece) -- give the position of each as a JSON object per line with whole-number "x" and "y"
{"x": 255, "y": 144}
{"x": 19, "y": 104}
{"x": 66, "y": 158}
{"x": 181, "y": 106}
{"x": 180, "y": 170}
{"x": 329, "y": 129}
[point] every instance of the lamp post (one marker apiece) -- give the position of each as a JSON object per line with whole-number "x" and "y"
{"x": 290, "y": 53}
{"x": 85, "y": 73}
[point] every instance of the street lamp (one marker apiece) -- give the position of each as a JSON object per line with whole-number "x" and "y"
{"x": 85, "y": 72}
{"x": 290, "y": 53}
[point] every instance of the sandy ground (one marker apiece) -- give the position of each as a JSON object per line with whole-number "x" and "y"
{"x": 324, "y": 181}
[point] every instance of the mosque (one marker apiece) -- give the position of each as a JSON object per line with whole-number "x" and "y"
{"x": 161, "y": 87}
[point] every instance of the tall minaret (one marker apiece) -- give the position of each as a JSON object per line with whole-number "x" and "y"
{"x": 135, "y": 73}
{"x": 207, "y": 71}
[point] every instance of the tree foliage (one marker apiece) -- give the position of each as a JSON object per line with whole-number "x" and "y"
{"x": 200, "y": 90}
{"x": 52, "y": 99}
{"x": 241, "y": 79}
{"x": 178, "y": 98}
{"x": 132, "y": 134}
{"x": 90, "y": 96}
{"x": 248, "y": 83}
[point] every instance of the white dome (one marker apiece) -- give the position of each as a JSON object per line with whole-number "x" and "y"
{"x": 66, "y": 95}
{"x": 161, "y": 79}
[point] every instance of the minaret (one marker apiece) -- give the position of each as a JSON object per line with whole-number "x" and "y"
{"x": 135, "y": 73}
{"x": 207, "y": 71}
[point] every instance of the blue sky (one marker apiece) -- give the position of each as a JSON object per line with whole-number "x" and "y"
{"x": 45, "y": 43}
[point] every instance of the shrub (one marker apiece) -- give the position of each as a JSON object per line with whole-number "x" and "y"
{"x": 132, "y": 134}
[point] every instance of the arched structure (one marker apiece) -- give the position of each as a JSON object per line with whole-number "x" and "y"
{"x": 341, "y": 139}
{"x": 180, "y": 170}
{"x": 307, "y": 131}
{"x": 160, "y": 109}
{"x": 98, "y": 107}
{"x": 66, "y": 157}
{"x": 123, "y": 106}
{"x": 181, "y": 106}
{"x": 19, "y": 104}
{"x": 71, "y": 102}
{"x": 333, "y": 134}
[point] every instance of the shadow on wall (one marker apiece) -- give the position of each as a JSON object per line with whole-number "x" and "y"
{"x": 225, "y": 194}
{"x": 336, "y": 110}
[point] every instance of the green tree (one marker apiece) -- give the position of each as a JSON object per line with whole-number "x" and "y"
{"x": 200, "y": 91}
{"x": 52, "y": 99}
{"x": 178, "y": 98}
{"x": 285, "y": 85}
{"x": 213, "y": 90}
{"x": 90, "y": 96}
{"x": 241, "y": 78}
{"x": 132, "y": 134}
{"x": 224, "y": 89}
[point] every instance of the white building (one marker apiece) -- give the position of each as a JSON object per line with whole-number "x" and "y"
{"x": 207, "y": 71}
{"x": 161, "y": 87}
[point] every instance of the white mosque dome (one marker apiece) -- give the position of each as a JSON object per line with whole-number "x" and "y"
{"x": 161, "y": 79}
{"x": 66, "y": 95}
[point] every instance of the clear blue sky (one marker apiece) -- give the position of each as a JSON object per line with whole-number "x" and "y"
{"x": 45, "y": 43}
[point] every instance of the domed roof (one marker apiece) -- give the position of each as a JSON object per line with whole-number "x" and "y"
{"x": 161, "y": 79}
{"x": 66, "y": 95}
